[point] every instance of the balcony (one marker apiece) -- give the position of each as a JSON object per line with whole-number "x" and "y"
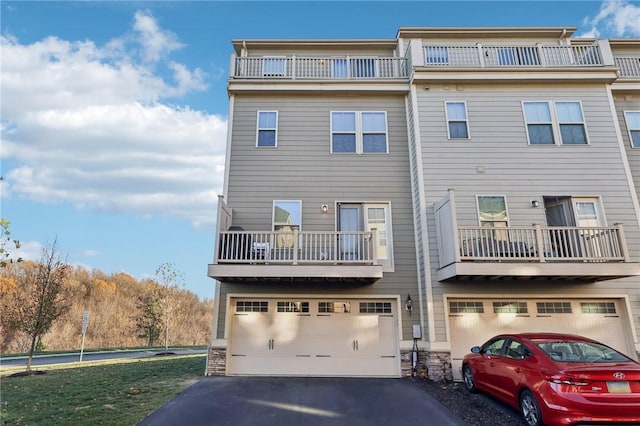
{"x": 319, "y": 68}
{"x": 305, "y": 257}
{"x": 629, "y": 67}
{"x": 567, "y": 253}
{"x": 535, "y": 56}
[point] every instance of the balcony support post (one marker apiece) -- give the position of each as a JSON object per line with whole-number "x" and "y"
{"x": 296, "y": 235}
{"x": 374, "y": 246}
{"x": 539, "y": 242}
{"x": 542, "y": 58}
{"x": 623, "y": 242}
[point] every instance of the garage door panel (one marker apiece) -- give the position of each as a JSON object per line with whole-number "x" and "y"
{"x": 341, "y": 343}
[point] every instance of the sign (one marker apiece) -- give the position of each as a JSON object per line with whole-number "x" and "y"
{"x": 85, "y": 321}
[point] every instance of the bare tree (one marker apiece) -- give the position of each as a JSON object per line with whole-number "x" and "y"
{"x": 41, "y": 302}
{"x": 149, "y": 319}
{"x": 171, "y": 281}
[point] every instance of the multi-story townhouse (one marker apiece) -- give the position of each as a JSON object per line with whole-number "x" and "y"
{"x": 421, "y": 194}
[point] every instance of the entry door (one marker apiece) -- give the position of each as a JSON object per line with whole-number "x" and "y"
{"x": 350, "y": 222}
{"x": 377, "y": 217}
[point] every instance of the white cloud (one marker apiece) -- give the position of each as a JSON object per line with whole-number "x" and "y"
{"x": 29, "y": 250}
{"x": 87, "y": 125}
{"x": 616, "y": 18}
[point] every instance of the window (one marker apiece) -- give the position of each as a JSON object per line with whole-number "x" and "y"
{"x": 457, "y": 124}
{"x": 493, "y": 347}
{"x": 539, "y": 124}
{"x": 492, "y": 211}
{"x": 375, "y": 308}
{"x": 267, "y": 129}
{"x": 571, "y": 123}
{"x": 252, "y": 306}
{"x": 554, "y": 307}
{"x": 510, "y": 307}
{"x": 437, "y": 55}
{"x": 287, "y": 215}
{"x": 274, "y": 67}
{"x": 633, "y": 125}
{"x": 548, "y": 122}
{"x": 293, "y": 307}
{"x": 598, "y": 308}
{"x": 334, "y": 307}
{"x": 358, "y": 132}
{"x": 466, "y": 307}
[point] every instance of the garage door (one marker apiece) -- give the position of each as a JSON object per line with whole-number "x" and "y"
{"x": 474, "y": 321}
{"x": 313, "y": 338}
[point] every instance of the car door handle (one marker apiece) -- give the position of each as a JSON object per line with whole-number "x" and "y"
{"x": 492, "y": 364}
{"x": 518, "y": 370}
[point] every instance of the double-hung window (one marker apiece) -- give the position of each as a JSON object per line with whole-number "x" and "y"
{"x": 457, "y": 123}
{"x": 267, "y": 133}
{"x": 492, "y": 211}
{"x": 633, "y": 125}
{"x": 359, "y": 132}
{"x": 548, "y": 122}
{"x": 287, "y": 218}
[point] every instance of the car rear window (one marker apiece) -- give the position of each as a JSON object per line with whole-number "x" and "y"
{"x": 575, "y": 351}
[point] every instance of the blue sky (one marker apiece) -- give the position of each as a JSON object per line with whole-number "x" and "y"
{"x": 114, "y": 114}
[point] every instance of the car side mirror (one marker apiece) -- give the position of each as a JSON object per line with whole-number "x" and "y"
{"x": 475, "y": 349}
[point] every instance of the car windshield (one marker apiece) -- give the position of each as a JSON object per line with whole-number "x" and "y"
{"x": 575, "y": 351}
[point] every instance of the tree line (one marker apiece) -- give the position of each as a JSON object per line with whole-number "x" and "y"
{"x": 42, "y": 305}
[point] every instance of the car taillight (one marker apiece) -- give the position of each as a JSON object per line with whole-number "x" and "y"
{"x": 567, "y": 380}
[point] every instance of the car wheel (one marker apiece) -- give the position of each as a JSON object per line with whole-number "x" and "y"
{"x": 530, "y": 409}
{"x": 469, "y": 380}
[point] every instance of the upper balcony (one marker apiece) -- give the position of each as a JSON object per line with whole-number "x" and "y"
{"x": 568, "y": 253}
{"x": 318, "y": 68}
{"x": 629, "y": 67}
{"x": 305, "y": 257}
{"x": 493, "y": 61}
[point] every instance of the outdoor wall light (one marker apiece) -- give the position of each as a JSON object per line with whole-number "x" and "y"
{"x": 324, "y": 208}
{"x": 408, "y": 304}
{"x": 535, "y": 203}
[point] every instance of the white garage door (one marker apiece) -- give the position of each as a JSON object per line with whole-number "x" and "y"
{"x": 313, "y": 338}
{"x": 474, "y": 321}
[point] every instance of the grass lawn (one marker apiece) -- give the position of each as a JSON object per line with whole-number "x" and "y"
{"x": 121, "y": 392}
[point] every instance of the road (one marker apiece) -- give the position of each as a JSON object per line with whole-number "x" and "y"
{"x": 46, "y": 359}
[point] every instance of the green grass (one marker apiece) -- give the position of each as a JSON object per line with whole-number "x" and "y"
{"x": 120, "y": 392}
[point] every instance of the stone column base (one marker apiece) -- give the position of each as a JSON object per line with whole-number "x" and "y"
{"x": 216, "y": 361}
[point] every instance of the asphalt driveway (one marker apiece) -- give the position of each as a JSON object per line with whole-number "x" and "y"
{"x": 302, "y": 401}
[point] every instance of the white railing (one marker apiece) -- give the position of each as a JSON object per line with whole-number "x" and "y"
{"x": 629, "y": 67}
{"x": 296, "y": 247}
{"x": 480, "y": 56}
{"x": 543, "y": 244}
{"x": 293, "y": 67}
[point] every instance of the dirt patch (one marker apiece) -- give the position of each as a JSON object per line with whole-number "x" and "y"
{"x": 28, "y": 373}
{"x": 474, "y": 409}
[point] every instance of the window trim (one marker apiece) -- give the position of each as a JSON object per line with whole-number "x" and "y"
{"x": 273, "y": 214}
{"x": 555, "y": 122}
{"x": 258, "y": 129}
{"x": 359, "y": 133}
{"x": 506, "y": 208}
{"x": 629, "y": 129}
{"x": 451, "y": 120}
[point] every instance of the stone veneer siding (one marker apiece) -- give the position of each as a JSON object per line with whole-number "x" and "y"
{"x": 216, "y": 361}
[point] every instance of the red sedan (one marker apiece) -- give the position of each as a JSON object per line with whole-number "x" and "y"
{"x": 556, "y": 379}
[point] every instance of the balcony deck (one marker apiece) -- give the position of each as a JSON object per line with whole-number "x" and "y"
{"x": 345, "y": 257}
{"x": 540, "y": 252}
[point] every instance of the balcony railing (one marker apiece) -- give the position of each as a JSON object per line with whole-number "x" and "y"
{"x": 543, "y": 244}
{"x": 629, "y": 67}
{"x": 293, "y": 67}
{"x": 295, "y": 248}
{"x": 536, "y": 56}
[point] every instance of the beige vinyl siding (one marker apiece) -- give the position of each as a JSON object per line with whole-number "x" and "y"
{"x": 498, "y": 161}
{"x": 626, "y": 102}
{"x": 302, "y": 168}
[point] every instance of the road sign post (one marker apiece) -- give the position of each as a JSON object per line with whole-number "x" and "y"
{"x": 85, "y": 324}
